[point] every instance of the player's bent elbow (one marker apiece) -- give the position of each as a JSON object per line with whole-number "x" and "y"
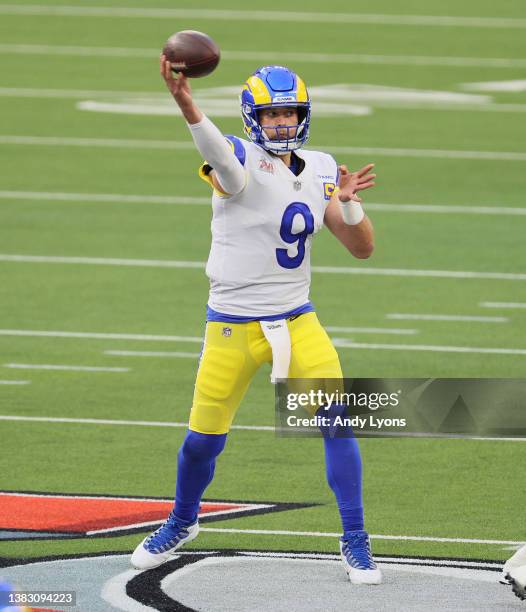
{"x": 364, "y": 251}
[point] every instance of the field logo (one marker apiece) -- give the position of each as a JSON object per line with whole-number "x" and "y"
{"x": 48, "y": 515}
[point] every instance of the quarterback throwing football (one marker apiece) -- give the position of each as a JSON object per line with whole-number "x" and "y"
{"x": 270, "y": 197}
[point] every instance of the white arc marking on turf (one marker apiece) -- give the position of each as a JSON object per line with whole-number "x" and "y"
{"x": 329, "y": 100}
{"x": 272, "y": 55}
{"x": 58, "y": 196}
{"x": 343, "y": 343}
{"x": 152, "y": 354}
{"x": 503, "y": 304}
{"x": 511, "y": 86}
{"x": 15, "y": 382}
{"x": 436, "y": 317}
{"x": 372, "y": 330}
{"x": 265, "y": 16}
{"x": 212, "y": 107}
{"x": 114, "y": 592}
{"x": 168, "y": 144}
{"x": 28, "y": 366}
{"x": 165, "y": 263}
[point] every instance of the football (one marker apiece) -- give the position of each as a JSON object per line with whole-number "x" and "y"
{"x": 193, "y": 53}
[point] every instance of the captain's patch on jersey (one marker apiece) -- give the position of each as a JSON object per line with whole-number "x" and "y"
{"x": 328, "y": 189}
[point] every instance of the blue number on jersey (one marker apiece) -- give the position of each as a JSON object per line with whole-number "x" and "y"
{"x": 285, "y": 231}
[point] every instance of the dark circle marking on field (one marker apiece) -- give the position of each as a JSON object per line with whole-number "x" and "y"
{"x": 146, "y": 589}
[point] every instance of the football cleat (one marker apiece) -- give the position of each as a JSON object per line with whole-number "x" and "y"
{"x": 518, "y": 559}
{"x": 161, "y": 545}
{"x": 517, "y": 578}
{"x": 273, "y": 87}
{"x": 358, "y": 561}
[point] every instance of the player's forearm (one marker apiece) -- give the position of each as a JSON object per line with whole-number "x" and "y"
{"x": 359, "y": 239}
{"x": 219, "y": 155}
{"x": 191, "y": 113}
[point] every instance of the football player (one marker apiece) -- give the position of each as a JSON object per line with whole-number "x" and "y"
{"x": 514, "y": 573}
{"x": 270, "y": 197}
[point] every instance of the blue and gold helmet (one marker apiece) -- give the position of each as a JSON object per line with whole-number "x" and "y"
{"x": 271, "y": 87}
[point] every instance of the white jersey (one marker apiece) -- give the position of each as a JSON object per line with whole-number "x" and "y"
{"x": 259, "y": 262}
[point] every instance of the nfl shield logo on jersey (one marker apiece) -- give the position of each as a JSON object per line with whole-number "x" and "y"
{"x": 227, "y": 332}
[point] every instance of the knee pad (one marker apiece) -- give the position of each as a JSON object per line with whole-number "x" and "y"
{"x": 202, "y": 447}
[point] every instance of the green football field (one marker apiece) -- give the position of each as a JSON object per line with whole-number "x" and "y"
{"x": 105, "y": 228}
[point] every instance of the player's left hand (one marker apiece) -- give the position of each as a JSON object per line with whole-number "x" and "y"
{"x": 352, "y": 182}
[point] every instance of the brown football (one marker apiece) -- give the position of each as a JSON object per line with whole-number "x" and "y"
{"x": 193, "y": 53}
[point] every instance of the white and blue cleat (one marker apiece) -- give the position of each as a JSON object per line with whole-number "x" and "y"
{"x": 357, "y": 559}
{"x": 161, "y": 545}
{"x": 516, "y": 560}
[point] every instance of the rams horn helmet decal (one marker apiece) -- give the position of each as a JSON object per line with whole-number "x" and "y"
{"x": 271, "y": 87}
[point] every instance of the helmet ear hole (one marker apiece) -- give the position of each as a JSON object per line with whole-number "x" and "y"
{"x": 302, "y": 113}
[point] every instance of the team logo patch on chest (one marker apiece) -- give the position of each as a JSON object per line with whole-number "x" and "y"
{"x": 266, "y": 166}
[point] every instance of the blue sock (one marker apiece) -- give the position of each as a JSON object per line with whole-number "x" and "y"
{"x": 195, "y": 469}
{"x": 344, "y": 474}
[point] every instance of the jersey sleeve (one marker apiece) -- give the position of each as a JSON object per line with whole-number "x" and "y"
{"x": 238, "y": 149}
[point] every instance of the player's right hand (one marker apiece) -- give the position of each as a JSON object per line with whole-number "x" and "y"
{"x": 179, "y": 87}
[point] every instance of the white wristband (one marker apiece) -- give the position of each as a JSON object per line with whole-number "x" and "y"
{"x": 352, "y": 212}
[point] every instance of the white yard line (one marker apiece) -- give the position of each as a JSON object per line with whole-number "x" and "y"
{"x": 444, "y": 209}
{"x": 104, "y": 198}
{"x": 436, "y": 317}
{"x": 339, "y": 342}
{"x": 269, "y": 428}
{"x": 119, "y": 143}
{"x": 101, "y": 261}
{"x": 503, "y": 304}
{"x": 29, "y": 366}
{"x": 121, "y": 422}
{"x": 109, "y": 198}
{"x": 419, "y": 273}
{"x": 265, "y": 16}
{"x": 341, "y": 150}
{"x": 272, "y": 55}
{"x": 166, "y": 263}
{"x": 15, "y": 382}
{"x": 321, "y": 534}
{"x": 153, "y": 354}
{"x": 98, "y": 336}
{"x": 372, "y": 330}
{"x": 433, "y": 348}
{"x": 428, "y": 153}
{"x": 118, "y": 422}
